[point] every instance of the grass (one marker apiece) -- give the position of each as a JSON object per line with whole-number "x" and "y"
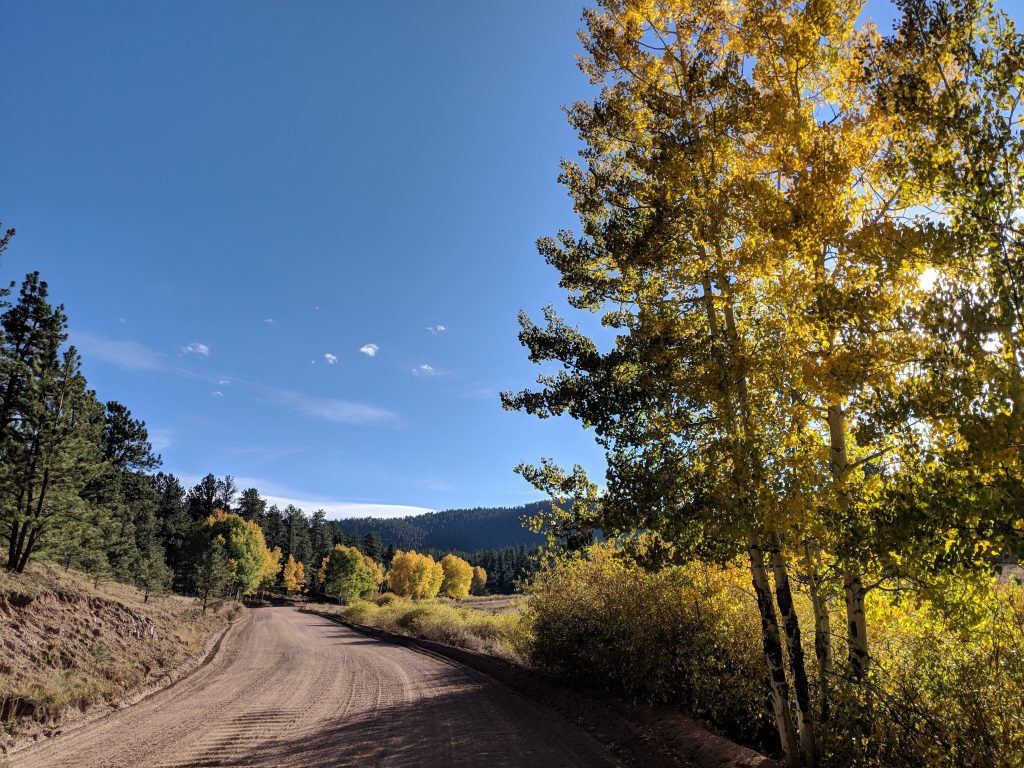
{"x": 506, "y": 635}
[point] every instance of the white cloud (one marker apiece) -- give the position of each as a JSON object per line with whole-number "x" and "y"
{"x": 282, "y": 496}
{"x": 331, "y": 359}
{"x": 197, "y": 348}
{"x": 423, "y": 370}
{"x": 341, "y": 509}
{"x": 370, "y": 350}
{"x": 127, "y": 355}
{"x": 269, "y": 321}
{"x": 217, "y": 393}
{"x": 223, "y": 381}
{"x": 436, "y": 329}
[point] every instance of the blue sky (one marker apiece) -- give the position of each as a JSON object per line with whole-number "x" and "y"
{"x": 224, "y": 193}
{"x": 235, "y": 200}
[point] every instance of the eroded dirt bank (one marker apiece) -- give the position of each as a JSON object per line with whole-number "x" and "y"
{"x": 66, "y": 646}
{"x": 293, "y": 689}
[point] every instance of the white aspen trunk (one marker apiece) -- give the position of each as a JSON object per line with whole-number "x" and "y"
{"x": 770, "y": 635}
{"x": 773, "y": 655}
{"x": 794, "y": 646}
{"x": 853, "y": 585}
{"x": 822, "y": 628}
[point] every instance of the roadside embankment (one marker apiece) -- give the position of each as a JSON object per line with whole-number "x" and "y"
{"x": 71, "y": 650}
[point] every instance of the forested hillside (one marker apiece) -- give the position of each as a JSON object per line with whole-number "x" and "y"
{"x": 453, "y": 529}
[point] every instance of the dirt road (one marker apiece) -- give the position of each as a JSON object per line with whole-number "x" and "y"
{"x": 292, "y": 689}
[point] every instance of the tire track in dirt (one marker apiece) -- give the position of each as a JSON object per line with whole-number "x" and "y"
{"x": 289, "y": 689}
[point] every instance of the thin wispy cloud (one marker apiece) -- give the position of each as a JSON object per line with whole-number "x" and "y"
{"x": 132, "y": 356}
{"x": 127, "y": 355}
{"x": 331, "y": 359}
{"x": 160, "y": 438}
{"x": 195, "y": 348}
{"x": 478, "y": 392}
{"x": 330, "y": 409}
{"x": 370, "y": 350}
{"x": 269, "y": 321}
{"x": 436, "y": 329}
{"x": 423, "y": 370}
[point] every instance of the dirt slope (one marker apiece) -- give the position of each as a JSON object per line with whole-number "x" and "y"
{"x": 293, "y": 689}
{"x": 66, "y": 644}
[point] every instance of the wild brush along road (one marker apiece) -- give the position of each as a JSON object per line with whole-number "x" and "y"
{"x": 294, "y": 689}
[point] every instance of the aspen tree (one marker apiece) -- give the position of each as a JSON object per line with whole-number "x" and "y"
{"x": 457, "y": 577}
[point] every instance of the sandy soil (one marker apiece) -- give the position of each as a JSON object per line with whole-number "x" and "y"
{"x": 293, "y": 689}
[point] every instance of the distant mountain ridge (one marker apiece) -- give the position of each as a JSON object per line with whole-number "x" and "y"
{"x": 463, "y": 530}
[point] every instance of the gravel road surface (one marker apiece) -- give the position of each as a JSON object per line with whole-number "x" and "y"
{"x": 293, "y": 689}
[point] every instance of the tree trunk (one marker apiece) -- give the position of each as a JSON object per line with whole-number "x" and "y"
{"x": 12, "y": 555}
{"x": 822, "y": 628}
{"x": 797, "y": 664}
{"x": 28, "y": 547}
{"x": 856, "y": 623}
{"x": 773, "y": 656}
{"x": 19, "y": 550}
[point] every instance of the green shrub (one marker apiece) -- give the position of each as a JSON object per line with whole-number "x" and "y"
{"x": 360, "y": 611}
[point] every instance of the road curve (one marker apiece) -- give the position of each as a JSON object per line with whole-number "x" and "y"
{"x": 293, "y": 689}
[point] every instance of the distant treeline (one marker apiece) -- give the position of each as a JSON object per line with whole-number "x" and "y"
{"x": 466, "y": 530}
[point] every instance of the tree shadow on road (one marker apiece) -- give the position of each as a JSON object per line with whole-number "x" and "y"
{"x": 455, "y": 729}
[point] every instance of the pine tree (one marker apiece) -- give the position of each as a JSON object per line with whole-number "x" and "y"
{"x": 53, "y": 452}
{"x": 175, "y": 527}
{"x": 320, "y": 542}
{"x": 212, "y": 575}
{"x": 226, "y": 492}
{"x": 202, "y": 499}
{"x": 372, "y": 546}
{"x": 252, "y": 506}
{"x": 152, "y": 575}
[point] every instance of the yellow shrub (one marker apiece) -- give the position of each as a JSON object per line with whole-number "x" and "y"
{"x": 941, "y": 692}
{"x": 680, "y": 635}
